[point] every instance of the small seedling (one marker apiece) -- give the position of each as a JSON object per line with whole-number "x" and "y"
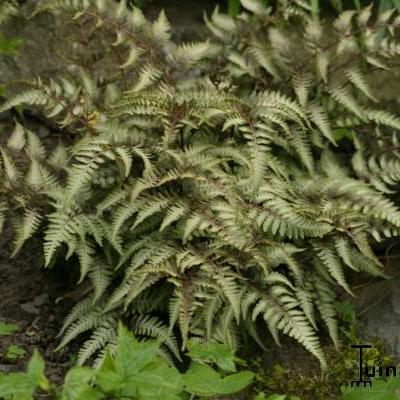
{"x": 7, "y": 329}
{"x": 14, "y": 352}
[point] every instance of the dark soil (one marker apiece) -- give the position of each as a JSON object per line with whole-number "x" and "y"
{"x": 186, "y": 17}
{"x": 28, "y": 295}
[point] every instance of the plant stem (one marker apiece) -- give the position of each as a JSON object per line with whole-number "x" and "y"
{"x": 357, "y": 4}
{"x": 315, "y": 10}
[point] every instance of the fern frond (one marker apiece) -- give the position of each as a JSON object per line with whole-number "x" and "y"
{"x": 17, "y": 140}
{"x": 357, "y": 78}
{"x": 255, "y": 6}
{"x": 321, "y": 120}
{"x": 61, "y": 229}
{"x": 153, "y": 327}
{"x": 100, "y": 337}
{"x": 343, "y": 96}
{"x": 334, "y": 266}
{"x": 161, "y": 28}
{"x": 11, "y": 172}
{"x": 85, "y": 251}
{"x": 25, "y": 228}
{"x": 327, "y": 308}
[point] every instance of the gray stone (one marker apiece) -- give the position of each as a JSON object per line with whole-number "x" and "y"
{"x": 30, "y": 308}
{"x": 38, "y": 301}
{"x": 37, "y": 53}
{"x": 4, "y": 368}
{"x": 186, "y": 17}
{"x": 44, "y": 37}
{"x": 378, "y": 313}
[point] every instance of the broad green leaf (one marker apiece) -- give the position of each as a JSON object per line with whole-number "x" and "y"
{"x": 217, "y": 353}
{"x": 23, "y": 385}
{"x": 107, "y": 377}
{"x": 137, "y": 371}
{"x": 20, "y": 385}
{"x": 202, "y": 380}
{"x": 262, "y": 396}
{"x": 7, "y": 329}
{"x": 131, "y": 356}
{"x": 158, "y": 382}
{"x": 236, "y": 382}
{"x": 86, "y": 394}
{"x": 76, "y": 385}
{"x": 35, "y": 371}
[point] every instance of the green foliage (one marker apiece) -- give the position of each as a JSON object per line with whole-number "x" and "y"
{"x": 14, "y": 352}
{"x": 7, "y": 329}
{"x": 380, "y": 390}
{"x": 215, "y": 353}
{"x": 203, "y": 381}
{"x": 387, "y": 4}
{"x": 199, "y": 185}
{"x": 22, "y": 385}
{"x": 132, "y": 370}
{"x": 233, "y": 7}
{"x": 138, "y": 3}
{"x": 262, "y": 396}
{"x": 9, "y": 46}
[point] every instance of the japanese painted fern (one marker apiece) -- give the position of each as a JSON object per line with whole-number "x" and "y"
{"x": 203, "y": 197}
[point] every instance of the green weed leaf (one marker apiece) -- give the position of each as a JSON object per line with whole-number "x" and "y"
{"x": 7, "y": 329}
{"x": 202, "y": 380}
{"x": 19, "y": 384}
{"x": 35, "y": 371}
{"x": 9, "y": 46}
{"x": 77, "y": 385}
{"x": 14, "y": 352}
{"x": 380, "y": 390}
{"x": 217, "y": 353}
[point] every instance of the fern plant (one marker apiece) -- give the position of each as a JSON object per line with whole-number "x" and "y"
{"x": 198, "y": 186}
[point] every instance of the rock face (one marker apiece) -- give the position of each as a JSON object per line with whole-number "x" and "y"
{"x": 378, "y": 313}
{"x": 186, "y": 17}
{"x": 37, "y": 54}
